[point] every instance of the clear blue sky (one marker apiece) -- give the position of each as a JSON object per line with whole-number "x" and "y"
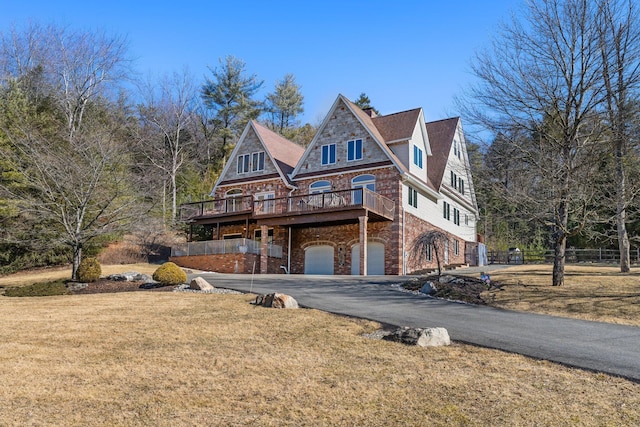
{"x": 402, "y": 54}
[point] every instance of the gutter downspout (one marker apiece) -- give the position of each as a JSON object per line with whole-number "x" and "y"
{"x": 404, "y": 256}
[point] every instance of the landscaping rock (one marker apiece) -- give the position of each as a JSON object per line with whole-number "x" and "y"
{"x": 276, "y": 300}
{"x": 445, "y": 278}
{"x": 423, "y": 337}
{"x": 428, "y": 288}
{"x": 130, "y": 276}
{"x": 200, "y": 284}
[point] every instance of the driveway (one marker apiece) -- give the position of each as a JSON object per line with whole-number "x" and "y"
{"x": 596, "y": 346}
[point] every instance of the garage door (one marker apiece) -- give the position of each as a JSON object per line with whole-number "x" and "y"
{"x": 318, "y": 260}
{"x": 375, "y": 259}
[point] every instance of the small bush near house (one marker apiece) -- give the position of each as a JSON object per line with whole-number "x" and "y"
{"x": 89, "y": 270}
{"x": 44, "y": 289}
{"x": 170, "y": 274}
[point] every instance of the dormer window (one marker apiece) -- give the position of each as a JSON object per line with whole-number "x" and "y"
{"x": 417, "y": 156}
{"x": 328, "y": 154}
{"x": 354, "y": 150}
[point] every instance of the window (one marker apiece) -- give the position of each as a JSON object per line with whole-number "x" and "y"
{"x": 267, "y": 204}
{"x": 243, "y": 163}
{"x": 429, "y": 252}
{"x": 320, "y": 187}
{"x": 257, "y": 161}
{"x": 417, "y": 156}
{"x": 456, "y": 247}
{"x": 233, "y": 200}
{"x": 461, "y": 185}
{"x": 456, "y": 216}
{"x": 354, "y": 150}
{"x": 362, "y": 181}
{"x": 413, "y": 197}
{"x": 328, "y": 154}
{"x": 257, "y": 235}
{"x": 446, "y": 210}
{"x": 455, "y": 148}
{"x": 466, "y": 219}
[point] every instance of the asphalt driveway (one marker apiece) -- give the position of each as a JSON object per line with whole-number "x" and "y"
{"x": 604, "y": 347}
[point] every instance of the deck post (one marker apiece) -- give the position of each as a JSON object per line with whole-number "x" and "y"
{"x": 264, "y": 253}
{"x": 363, "y": 244}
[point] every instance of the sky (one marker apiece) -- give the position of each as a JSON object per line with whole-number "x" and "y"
{"x": 402, "y": 54}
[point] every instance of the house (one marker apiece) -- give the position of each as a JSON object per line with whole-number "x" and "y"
{"x": 351, "y": 203}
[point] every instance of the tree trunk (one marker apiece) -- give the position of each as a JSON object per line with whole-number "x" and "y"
{"x": 621, "y": 209}
{"x": 559, "y": 257}
{"x": 77, "y": 258}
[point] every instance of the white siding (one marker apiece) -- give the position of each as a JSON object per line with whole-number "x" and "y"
{"x": 432, "y": 212}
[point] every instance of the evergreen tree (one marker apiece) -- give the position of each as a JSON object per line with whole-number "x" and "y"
{"x": 364, "y": 103}
{"x": 230, "y": 95}
{"x": 284, "y": 104}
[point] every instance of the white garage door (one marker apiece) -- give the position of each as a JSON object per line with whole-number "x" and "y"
{"x": 318, "y": 260}
{"x": 375, "y": 259}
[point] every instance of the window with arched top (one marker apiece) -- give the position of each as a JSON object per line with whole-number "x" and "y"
{"x": 320, "y": 187}
{"x": 234, "y": 200}
{"x": 362, "y": 181}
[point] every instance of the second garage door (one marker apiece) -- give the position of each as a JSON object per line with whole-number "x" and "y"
{"x": 318, "y": 260}
{"x": 375, "y": 259}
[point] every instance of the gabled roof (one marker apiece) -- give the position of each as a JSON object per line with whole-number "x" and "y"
{"x": 441, "y": 134}
{"x": 283, "y": 153}
{"x": 398, "y": 126}
{"x": 366, "y": 122}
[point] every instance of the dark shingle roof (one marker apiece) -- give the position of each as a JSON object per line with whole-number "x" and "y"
{"x": 398, "y": 126}
{"x": 441, "y": 135}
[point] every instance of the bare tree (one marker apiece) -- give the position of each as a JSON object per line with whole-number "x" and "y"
{"x": 618, "y": 28}
{"x": 64, "y": 136}
{"x": 543, "y": 77}
{"x": 431, "y": 242}
{"x": 168, "y": 124}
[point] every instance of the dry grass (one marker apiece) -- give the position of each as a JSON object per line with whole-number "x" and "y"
{"x": 590, "y": 292}
{"x": 56, "y": 273}
{"x": 168, "y": 359}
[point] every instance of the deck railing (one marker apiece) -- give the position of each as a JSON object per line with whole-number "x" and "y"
{"x": 228, "y": 246}
{"x": 227, "y": 205}
{"x": 294, "y": 205}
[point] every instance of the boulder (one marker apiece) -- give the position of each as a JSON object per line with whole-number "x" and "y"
{"x": 428, "y": 288}
{"x": 423, "y": 337}
{"x": 200, "y": 284}
{"x": 276, "y": 300}
{"x": 130, "y": 276}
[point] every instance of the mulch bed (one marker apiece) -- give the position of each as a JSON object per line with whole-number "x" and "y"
{"x": 455, "y": 287}
{"x": 109, "y": 286}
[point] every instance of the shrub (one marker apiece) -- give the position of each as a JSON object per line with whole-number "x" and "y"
{"x": 89, "y": 270}
{"x": 170, "y": 274}
{"x": 57, "y": 287}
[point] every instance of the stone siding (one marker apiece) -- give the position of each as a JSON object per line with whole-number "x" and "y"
{"x": 250, "y": 144}
{"x": 343, "y": 126}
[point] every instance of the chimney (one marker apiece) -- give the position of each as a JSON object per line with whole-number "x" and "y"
{"x": 369, "y": 112}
